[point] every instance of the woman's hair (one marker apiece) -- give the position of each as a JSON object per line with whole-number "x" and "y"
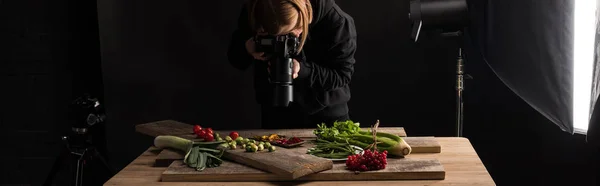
{"x": 274, "y": 15}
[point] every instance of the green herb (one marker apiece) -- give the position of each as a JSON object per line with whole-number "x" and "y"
{"x": 351, "y": 133}
{"x": 198, "y": 155}
{"x": 328, "y": 149}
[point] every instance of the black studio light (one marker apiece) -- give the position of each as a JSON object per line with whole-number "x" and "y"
{"x": 449, "y": 18}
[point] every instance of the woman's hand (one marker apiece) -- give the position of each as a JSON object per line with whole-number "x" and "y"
{"x": 251, "y": 48}
{"x": 295, "y": 68}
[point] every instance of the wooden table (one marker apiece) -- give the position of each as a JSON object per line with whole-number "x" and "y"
{"x": 463, "y": 167}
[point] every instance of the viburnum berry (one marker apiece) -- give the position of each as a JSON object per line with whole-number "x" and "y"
{"x": 369, "y": 160}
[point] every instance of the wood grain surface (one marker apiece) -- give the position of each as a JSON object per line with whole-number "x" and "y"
{"x": 397, "y": 169}
{"x": 168, "y": 156}
{"x": 284, "y": 160}
{"x": 418, "y": 145}
{"x": 423, "y": 144}
{"x": 461, "y": 163}
{"x": 304, "y": 133}
{"x": 175, "y": 128}
{"x": 285, "y": 163}
{"x": 170, "y": 127}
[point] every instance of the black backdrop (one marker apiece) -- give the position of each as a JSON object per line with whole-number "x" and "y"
{"x": 168, "y": 61}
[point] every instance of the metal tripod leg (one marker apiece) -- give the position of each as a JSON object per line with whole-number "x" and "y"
{"x": 80, "y": 167}
{"x": 64, "y": 154}
{"x": 56, "y": 166}
{"x": 106, "y": 165}
{"x": 79, "y": 172}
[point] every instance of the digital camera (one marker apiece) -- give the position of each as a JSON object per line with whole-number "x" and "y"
{"x": 280, "y": 50}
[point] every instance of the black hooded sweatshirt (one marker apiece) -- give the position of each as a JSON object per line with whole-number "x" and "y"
{"x": 322, "y": 88}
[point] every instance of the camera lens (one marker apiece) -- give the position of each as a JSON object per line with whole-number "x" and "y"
{"x": 283, "y": 95}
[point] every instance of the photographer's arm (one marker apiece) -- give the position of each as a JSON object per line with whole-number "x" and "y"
{"x": 338, "y": 70}
{"x": 237, "y": 53}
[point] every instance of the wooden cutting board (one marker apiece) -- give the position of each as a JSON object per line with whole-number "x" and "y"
{"x": 175, "y": 128}
{"x": 418, "y": 145}
{"x": 279, "y": 166}
{"x": 286, "y": 164}
{"x": 397, "y": 169}
{"x": 425, "y": 144}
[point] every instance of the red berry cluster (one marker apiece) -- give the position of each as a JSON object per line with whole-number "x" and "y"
{"x": 369, "y": 160}
{"x": 292, "y": 140}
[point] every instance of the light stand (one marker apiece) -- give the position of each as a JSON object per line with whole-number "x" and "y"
{"x": 449, "y": 16}
{"x": 460, "y": 82}
{"x": 459, "y": 93}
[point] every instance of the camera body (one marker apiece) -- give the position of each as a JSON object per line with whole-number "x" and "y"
{"x": 86, "y": 111}
{"x": 280, "y": 50}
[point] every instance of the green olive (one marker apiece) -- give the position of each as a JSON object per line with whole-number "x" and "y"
{"x": 239, "y": 140}
{"x": 261, "y": 147}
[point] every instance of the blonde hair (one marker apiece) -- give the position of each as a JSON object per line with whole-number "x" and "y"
{"x": 274, "y": 15}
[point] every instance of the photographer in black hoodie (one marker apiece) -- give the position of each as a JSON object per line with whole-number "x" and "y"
{"x": 322, "y": 68}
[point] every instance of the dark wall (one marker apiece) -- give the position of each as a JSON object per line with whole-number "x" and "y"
{"x": 49, "y": 55}
{"x": 167, "y": 61}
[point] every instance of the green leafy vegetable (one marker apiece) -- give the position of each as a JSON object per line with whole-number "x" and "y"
{"x": 335, "y": 150}
{"x": 347, "y": 127}
{"x": 198, "y": 155}
{"x": 351, "y": 133}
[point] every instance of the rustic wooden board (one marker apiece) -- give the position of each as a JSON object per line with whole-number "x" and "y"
{"x": 167, "y": 156}
{"x": 170, "y": 127}
{"x": 418, "y": 145}
{"x": 461, "y": 164}
{"x": 423, "y": 144}
{"x": 175, "y": 128}
{"x": 397, "y": 169}
{"x": 285, "y": 163}
{"x": 305, "y": 133}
